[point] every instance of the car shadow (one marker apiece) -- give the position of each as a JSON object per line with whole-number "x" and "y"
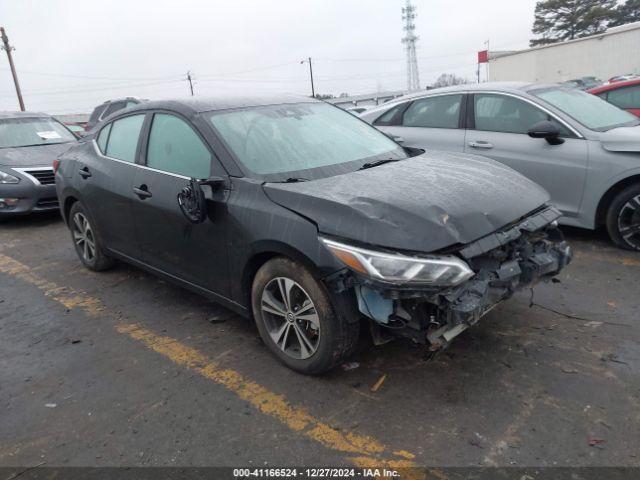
{"x": 34, "y": 220}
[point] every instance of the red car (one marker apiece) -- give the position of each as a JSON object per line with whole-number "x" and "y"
{"x": 625, "y": 95}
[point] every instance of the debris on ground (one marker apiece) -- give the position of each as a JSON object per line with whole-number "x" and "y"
{"x": 215, "y": 320}
{"x": 378, "y": 384}
{"x": 477, "y": 440}
{"x": 75, "y": 341}
{"x": 569, "y": 370}
{"x": 612, "y": 357}
{"x": 51, "y": 405}
{"x": 594, "y": 442}
{"x": 350, "y": 366}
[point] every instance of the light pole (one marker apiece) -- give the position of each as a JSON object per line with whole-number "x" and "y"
{"x": 313, "y": 91}
{"x": 7, "y": 48}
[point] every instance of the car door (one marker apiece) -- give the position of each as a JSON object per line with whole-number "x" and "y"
{"x": 432, "y": 123}
{"x": 498, "y": 129}
{"x": 195, "y": 253}
{"x": 105, "y": 181}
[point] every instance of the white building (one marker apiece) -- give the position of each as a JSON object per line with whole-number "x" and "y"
{"x": 614, "y": 52}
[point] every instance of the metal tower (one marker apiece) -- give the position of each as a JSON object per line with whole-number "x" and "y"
{"x": 409, "y": 40}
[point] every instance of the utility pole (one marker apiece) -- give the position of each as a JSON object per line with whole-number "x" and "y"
{"x": 189, "y": 78}
{"x": 7, "y": 48}
{"x": 409, "y": 40}
{"x": 313, "y": 91}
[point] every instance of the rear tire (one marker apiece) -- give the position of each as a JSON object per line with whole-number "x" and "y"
{"x": 296, "y": 319}
{"x": 86, "y": 240}
{"x": 623, "y": 218}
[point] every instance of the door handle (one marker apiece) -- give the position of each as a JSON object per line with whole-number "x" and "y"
{"x": 142, "y": 191}
{"x": 84, "y": 172}
{"x": 481, "y": 144}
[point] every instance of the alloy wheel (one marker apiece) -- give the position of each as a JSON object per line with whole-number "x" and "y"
{"x": 83, "y": 237}
{"x": 629, "y": 222}
{"x": 291, "y": 318}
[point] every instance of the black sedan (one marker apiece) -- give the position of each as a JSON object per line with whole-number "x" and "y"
{"x": 29, "y": 143}
{"x": 302, "y": 216}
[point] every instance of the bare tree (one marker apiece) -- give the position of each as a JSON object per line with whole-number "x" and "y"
{"x": 448, "y": 79}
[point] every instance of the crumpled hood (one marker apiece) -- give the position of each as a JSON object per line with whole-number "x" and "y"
{"x": 37, "y": 156}
{"x": 622, "y": 139}
{"x": 422, "y": 204}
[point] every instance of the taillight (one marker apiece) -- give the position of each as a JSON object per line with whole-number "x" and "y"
{"x": 56, "y": 165}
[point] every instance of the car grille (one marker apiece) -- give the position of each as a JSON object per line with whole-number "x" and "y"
{"x": 45, "y": 176}
{"x": 48, "y": 203}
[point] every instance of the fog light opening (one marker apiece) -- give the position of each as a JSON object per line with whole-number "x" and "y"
{"x": 7, "y": 203}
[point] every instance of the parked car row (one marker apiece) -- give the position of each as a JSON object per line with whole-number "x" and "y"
{"x": 306, "y": 218}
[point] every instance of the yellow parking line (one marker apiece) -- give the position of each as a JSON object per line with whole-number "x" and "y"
{"x": 361, "y": 450}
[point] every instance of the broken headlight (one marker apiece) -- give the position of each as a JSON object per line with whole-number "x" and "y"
{"x": 440, "y": 270}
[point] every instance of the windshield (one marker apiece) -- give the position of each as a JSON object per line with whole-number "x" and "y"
{"x": 589, "y": 110}
{"x": 27, "y": 132}
{"x": 313, "y": 140}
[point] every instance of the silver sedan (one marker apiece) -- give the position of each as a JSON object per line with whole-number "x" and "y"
{"x": 584, "y": 151}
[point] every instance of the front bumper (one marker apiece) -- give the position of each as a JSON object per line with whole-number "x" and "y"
{"x": 32, "y": 196}
{"x": 504, "y": 262}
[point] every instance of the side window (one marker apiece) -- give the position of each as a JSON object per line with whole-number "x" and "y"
{"x": 174, "y": 147}
{"x": 123, "y": 139}
{"x": 626, "y": 97}
{"x": 113, "y": 107}
{"x": 103, "y": 137}
{"x": 501, "y": 113}
{"x": 393, "y": 116}
{"x": 434, "y": 112}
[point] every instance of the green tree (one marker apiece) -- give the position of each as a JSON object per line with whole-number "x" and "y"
{"x": 627, "y": 12}
{"x": 559, "y": 20}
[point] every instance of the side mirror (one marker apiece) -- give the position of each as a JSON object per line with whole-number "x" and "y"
{"x": 547, "y": 130}
{"x": 213, "y": 182}
{"x": 192, "y": 202}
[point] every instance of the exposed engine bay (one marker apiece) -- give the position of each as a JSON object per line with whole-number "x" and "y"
{"x": 504, "y": 262}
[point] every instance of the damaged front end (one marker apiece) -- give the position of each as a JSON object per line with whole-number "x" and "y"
{"x": 459, "y": 287}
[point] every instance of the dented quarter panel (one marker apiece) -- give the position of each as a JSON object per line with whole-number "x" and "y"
{"x": 422, "y": 204}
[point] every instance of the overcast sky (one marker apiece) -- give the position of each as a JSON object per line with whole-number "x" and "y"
{"x": 73, "y": 55}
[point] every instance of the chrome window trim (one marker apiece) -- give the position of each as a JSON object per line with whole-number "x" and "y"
{"x": 492, "y": 92}
{"x": 144, "y": 167}
{"x": 25, "y": 171}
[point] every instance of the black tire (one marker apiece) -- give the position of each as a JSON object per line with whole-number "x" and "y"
{"x": 336, "y": 338}
{"x": 98, "y": 260}
{"x": 623, "y": 218}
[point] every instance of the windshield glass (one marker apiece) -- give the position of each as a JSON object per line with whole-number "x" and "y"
{"x": 589, "y": 110}
{"x": 26, "y": 132}
{"x": 313, "y": 139}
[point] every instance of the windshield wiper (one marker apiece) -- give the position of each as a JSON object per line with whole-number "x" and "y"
{"x": 293, "y": 180}
{"x": 379, "y": 162}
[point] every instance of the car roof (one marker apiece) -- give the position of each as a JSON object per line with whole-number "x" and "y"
{"x": 17, "y": 114}
{"x": 615, "y": 85}
{"x": 195, "y": 105}
{"x": 507, "y": 87}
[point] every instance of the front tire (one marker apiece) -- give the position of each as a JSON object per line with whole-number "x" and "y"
{"x": 86, "y": 241}
{"x": 623, "y": 218}
{"x": 296, "y": 320}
